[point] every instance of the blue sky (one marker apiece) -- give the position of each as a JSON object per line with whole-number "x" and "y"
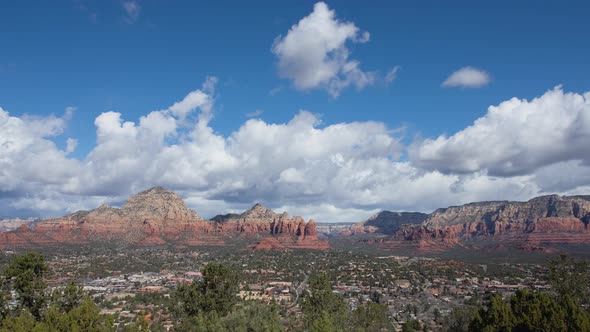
{"x": 135, "y": 57}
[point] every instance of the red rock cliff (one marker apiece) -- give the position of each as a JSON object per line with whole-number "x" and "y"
{"x": 547, "y": 219}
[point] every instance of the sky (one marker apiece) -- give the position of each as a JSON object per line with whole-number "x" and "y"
{"x": 330, "y": 110}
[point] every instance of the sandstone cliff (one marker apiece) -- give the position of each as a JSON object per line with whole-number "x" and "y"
{"x": 291, "y": 232}
{"x": 158, "y": 216}
{"x": 545, "y": 219}
{"x": 154, "y": 216}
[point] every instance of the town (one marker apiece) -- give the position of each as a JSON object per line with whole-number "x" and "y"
{"x": 139, "y": 282}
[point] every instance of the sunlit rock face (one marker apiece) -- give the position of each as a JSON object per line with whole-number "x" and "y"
{"x": 154, "y": 216}
{"x": 291, "y": 232}
{"x": 158, "y": 216}
{"x": 545, "y": 219}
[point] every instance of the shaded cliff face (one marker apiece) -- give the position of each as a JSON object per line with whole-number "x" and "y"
{"x": 545, "y": 219}
{"x": 385, "y": 222}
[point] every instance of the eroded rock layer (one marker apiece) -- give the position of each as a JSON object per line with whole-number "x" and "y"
{"x": 158, "y": 216}
{"x": 542, "y": 220}
{"x": 291, "y": 232}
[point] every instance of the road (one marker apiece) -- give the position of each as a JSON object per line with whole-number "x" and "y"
{"x": 299, "y": 291}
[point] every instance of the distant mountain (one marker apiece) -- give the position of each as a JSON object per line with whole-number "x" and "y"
{"x": 385, "y": 222}
{"x": 333, "y": 228}
{"x": 154, "y": 216}
{"x": 541, "y": 221}
{"x": 14, "y": 223}
{"x": 256, "y": 212}
{"x": 388, "y": 222}
{"x": 158, "y": 216}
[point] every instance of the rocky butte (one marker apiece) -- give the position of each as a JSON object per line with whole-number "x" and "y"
{"x": 158, "y": 216}
{"x": 285, "y": 231}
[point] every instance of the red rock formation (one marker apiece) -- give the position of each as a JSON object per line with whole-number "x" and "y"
{"x": 260, "y": 221}
{"x": 154, "y": 216}
{"x": 158, "y": 216}
{"x": 267, "y": 243}
{"x": 542, "y": 220}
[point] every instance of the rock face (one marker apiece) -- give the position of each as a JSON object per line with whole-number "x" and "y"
{"x": 545, "y": 219}
{"x": 154, "y": 216}
{"x": 158, "y": 216}
{"x": 386, "y": 222}
{"x": 268, "y": 243}
{"x": 291, "y": 232}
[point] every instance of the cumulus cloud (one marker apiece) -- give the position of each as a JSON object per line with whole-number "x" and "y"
{"x": 314, "y": 54}
{"x": 30, "y": 163}
{"x": 467, "y": 77}
{"x": 335, "y": 172}
{"x": 199, "y": 99}
{"x": 515, "y": 137}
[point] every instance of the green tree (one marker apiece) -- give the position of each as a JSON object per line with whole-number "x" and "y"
{"x": 459, "y": 319}
{"x": 83, "y": 317}
{"x": 217, "y": 291}
{"x": 411, "y": 326}
{"x": 253, "y": 317}
{"x": 570, "y": 278}
{"x": 320, "y": 302}
{"x": 27, "y": 273}
{"x": 22, "y": 323}
{"x": 371, "y": 317}
{"x": 497, "y": 317}
{"x": 535, "y": 311}
{"x": 324, "y": 323}
{"x": 4, "y": 300}
{"x": 577, "y": 319}
{"x": 66, "y": 309}
{"x": 201, "y": 322}
{"x": 141, "y": 325}
{"x": 69, "y": 297}
{"x": 530, "y": 311}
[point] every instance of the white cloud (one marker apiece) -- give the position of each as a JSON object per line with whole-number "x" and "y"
{"x": 516, "y": 137}
{"x": 71, "y": 144}
{"x": 275, "y": 91}
{"x": 255, "y": 114}
{"x": 314, "y": 55}
{"x": 392, "y": 74}
{"x": 199, "y": 99}
{"x": 132, "y": 10}
{"x": 291, "y": 175}
{"x": 336, "y": 172}
{"x": 467, "y": 77}
{"x": 30, "y": 163}
{"x": 327, "y": 212}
